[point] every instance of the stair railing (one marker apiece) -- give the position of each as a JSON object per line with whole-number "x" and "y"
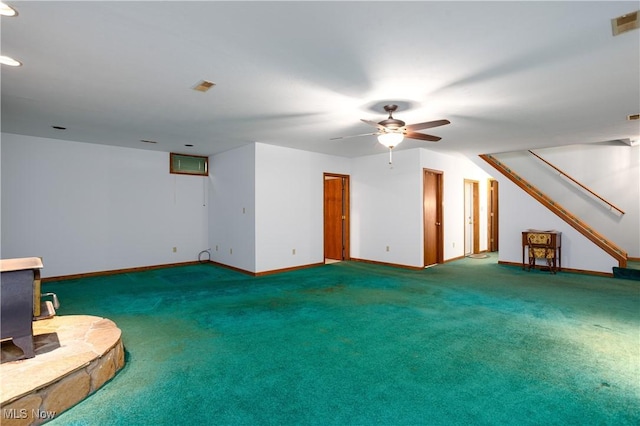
{"x": 580, "y": 185}
{"x": 609, "y": 247}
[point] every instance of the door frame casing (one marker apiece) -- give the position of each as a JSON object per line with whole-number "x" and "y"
{"x": 493, "y": 203}
{"x": 346, "y": 222}
{"x": 475, "y": 206}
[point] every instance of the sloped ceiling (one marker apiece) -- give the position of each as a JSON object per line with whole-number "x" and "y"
{"x": 509, "y": 75}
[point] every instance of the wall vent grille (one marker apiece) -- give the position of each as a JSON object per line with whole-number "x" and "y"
{"x": 625, "y": 23}
{"x": 203, "y": 86}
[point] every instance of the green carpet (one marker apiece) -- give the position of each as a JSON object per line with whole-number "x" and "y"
{"x": 468, "y": 342}
{"x": 633, "y": 264}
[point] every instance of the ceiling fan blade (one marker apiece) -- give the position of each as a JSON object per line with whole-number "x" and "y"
{"x": 422, "y": 136}
{"x": 374, "y": 124}
{"x": 427, "y": 125}
{"x": 353, "y": 136}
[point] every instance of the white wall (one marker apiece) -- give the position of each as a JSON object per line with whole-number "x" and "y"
{"x": 522, "y": 212}
{"x": 387, "y": 205}
{"x": 232, "y": 208}
{"x": 457, "y": 168}
{"x": 612, "y": 171}
{"x": 86, "y": 208}
{"x": 289, "y": 192}
{"x": 386, "y": 208}
{"x": 281, "y": 190}
{"x": 267, "y": 201}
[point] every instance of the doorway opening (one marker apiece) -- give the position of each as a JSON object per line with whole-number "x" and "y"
{"x": 336, "y": 217}
{"x": 432, "y": 217}
{"x": 471, "y": 217}
{"x": 492, "y": 218}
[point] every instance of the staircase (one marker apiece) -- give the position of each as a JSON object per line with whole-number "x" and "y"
{"x": 631, "y": 272}
{"x": 599, "y": 240}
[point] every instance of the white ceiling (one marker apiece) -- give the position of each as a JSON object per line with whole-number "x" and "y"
{"x": 509, "y": 75}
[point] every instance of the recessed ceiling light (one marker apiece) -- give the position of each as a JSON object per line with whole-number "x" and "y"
{"x": 203, "y": 86}
{"x": 6, "y": 10}
{"x": 59, "y": 127}
{"x": 5, "y": 60}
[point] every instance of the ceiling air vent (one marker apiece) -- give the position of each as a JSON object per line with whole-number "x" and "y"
{"x": 203, "y": 86}
{"x": 633, "y": 117}
{"x": 625, "y": 23}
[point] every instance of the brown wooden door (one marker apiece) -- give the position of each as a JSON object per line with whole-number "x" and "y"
{"x": 336, "y": 216}
{"x": 432, "y": 213}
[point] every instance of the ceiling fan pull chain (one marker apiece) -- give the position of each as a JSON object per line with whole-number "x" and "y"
{"x": 390, "y": 157}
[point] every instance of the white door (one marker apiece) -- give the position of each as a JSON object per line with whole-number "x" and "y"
{"x": 468, "y": 218}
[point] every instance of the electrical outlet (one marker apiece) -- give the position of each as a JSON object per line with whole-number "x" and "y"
{"x": 175, "y": 249}
{"x": 230, "y": 251}
{"x": 387, "y": 248}
{"x": 453, "y": 244}
{"x": 216, "y": 248}
{"x": 293, "y": 251}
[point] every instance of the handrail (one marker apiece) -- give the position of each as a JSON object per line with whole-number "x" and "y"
{"x": 576, "y": 182}
{"x": 609, "y": 247}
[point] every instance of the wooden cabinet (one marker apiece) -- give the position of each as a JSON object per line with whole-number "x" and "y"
{"x": 545, "y": 245}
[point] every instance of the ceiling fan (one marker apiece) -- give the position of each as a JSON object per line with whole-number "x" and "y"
{"x": 393, "y": 131}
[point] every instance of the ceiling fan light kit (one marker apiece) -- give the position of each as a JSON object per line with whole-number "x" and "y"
{"x": 393, "y": 131}
{"x": 391, "y": 139}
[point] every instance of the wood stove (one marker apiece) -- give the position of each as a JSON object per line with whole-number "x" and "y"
{"x": 20, "y": 301}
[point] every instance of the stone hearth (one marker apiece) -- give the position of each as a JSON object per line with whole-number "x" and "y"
{"x": 75, "y": 356}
